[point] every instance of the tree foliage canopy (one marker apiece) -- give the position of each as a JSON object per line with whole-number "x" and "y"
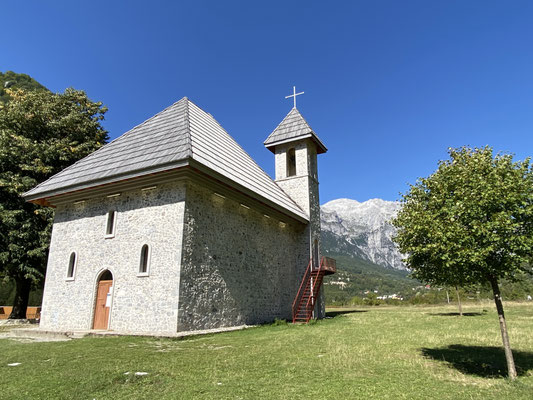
{"x": 469, "y": 222}
{"x": 41, "y": 133}
{"x": 13, "y": 80}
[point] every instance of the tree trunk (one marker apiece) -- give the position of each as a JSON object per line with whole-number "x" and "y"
{"x": 459, "y": 302}
{"x": 447, "y": 296}
{"x": 22, "y": 295}
{"x": 503, "y": 327}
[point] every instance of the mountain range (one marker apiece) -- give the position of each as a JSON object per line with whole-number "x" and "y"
{"x": 361, "y": 230}
{"x": 359, "y": 236}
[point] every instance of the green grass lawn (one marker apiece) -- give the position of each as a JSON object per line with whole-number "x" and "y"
{"x": 368, "y": 353}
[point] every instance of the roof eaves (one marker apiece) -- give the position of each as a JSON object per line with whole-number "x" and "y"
{"x": 322, "y": 149}
{"x": 27, "y": 194}
{"x": 291, "y": 139}
{"x": 30, "y": 196}
{"x": 319, "y": 142}
{"x": 281, "y": 122}
{"x": 271, "y": 140}
{"x": 300, "y": 216}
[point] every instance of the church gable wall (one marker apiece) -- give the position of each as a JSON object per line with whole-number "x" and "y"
{"x": 239, "y": 267}
{"x": 139, "y": 303}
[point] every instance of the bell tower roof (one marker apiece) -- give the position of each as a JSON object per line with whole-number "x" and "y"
{"x": 293, "y": 127}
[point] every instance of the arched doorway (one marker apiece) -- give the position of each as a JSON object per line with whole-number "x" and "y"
{"x": 102, "y": 306}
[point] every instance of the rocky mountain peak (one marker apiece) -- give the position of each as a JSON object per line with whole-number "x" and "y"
{"x": 362, "y": 229}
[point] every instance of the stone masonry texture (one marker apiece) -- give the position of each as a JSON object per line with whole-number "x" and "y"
{"x": 239, "y": 267}
{"x": 139, "y": 303}
{"x": 215, "y": 261}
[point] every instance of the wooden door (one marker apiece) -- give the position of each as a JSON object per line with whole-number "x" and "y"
{"x": 103, "y": 306}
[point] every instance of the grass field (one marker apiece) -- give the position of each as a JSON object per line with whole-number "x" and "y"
{"x": 368, "y": 353}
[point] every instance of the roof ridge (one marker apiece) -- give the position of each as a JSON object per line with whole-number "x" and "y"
{"x": 250, "y": 157}
{"x": 282, "y": 121}
{"x": 307, "y": 123}
{"x": 182, "y": 133}
{"x": 188, "y": 123}
{"x": 232, "y": 138}
{"x": 106, "y": 144}
{"x": 71, "y": 166}
{"x": 145, "y": 121}
{"x": 293, "y": 127}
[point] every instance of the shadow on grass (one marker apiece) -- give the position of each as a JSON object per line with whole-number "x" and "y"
{"x": 456, "y": 314}
{"x": 484, "y": 361}
{"x": 332, "y": 314}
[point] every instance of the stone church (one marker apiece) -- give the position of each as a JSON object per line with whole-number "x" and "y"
{"x": 173, "y": 227}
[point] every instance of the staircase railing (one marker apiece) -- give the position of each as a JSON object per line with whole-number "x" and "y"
{"x": 305, "y": 301}
{"x": 305, "y": 278}
{"x": 317, "y": 282}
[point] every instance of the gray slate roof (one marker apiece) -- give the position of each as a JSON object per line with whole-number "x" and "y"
{"x": 166, "y": 141}
{"x": 293, "y": 127}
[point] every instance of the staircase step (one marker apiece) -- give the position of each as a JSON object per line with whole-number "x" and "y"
{"x": 310, "y": 290}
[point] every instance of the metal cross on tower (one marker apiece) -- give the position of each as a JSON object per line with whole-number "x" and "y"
{"x": 294, "y": 94}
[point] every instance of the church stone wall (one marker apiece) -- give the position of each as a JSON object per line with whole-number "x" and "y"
{"x": 239, "y": 267}
{"x": 139, "y": 304}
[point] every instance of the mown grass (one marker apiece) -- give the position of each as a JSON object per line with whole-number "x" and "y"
{"x": 370, "y": 353}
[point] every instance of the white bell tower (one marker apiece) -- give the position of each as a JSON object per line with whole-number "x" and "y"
{"x": 296, "y": 147}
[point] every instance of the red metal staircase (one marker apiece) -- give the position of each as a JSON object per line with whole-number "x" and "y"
{"x": 304, "y": 303}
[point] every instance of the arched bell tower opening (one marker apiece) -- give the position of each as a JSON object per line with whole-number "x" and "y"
{"x": 291, "y": 162}
{"x": 102, "y": 306}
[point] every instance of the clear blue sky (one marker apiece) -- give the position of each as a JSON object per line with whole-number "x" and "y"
{"x": 389, "y": 85}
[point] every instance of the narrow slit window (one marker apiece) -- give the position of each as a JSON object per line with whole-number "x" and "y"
{"x": 145, "y": 259}
{"x": 111, "y": 220}
{"x": 291, "y": 162}
{"x": 71, "y": 266}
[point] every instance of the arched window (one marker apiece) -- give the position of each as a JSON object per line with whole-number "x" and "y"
{"x": 111, "y": 222}
{"x": 71, "y": 266}
{"x": 145, "y": 260}
{"x": 291, "y": 162}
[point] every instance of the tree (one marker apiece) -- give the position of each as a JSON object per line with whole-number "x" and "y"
{"x": 13, "y": 80}
{"x": 470, "y": 222}
{"x": 41, "y": 133}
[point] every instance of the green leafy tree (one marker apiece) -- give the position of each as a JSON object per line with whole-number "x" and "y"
{"x": 13, "y": 80}
{"x": 470, "y": 222}
{"x": 41, "y": 133}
